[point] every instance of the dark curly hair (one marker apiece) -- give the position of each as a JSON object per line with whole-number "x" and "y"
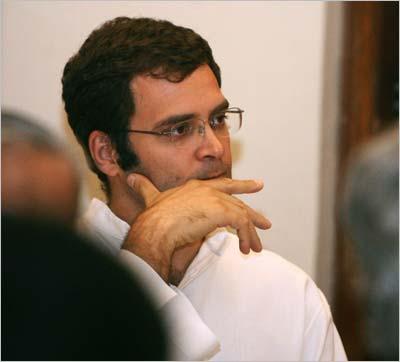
{"x": 96, "y": 80}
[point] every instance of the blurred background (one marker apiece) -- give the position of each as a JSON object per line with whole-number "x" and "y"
{"x": 318, "y": 82}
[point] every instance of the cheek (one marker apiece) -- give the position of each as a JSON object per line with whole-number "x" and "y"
{"x": 227, "y": 158}
{"x": 165, "y": 168}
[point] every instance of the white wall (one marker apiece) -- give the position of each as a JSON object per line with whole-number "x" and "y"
{"x": 271, "y": 56}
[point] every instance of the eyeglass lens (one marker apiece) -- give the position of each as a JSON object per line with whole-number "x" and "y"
{"x": 191, "y": 133}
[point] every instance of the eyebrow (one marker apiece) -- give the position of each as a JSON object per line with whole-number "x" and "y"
{"x": 171, "y": 120}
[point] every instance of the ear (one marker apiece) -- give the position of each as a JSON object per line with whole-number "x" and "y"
{"x": 103, "y": 153}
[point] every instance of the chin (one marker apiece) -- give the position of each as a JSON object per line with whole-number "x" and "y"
{"x": 171, "y": 182}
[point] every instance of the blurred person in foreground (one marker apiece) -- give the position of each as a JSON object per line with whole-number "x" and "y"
{"x": 38, "y": 178}
{"x": 370, "y": 213}
{"x": 144, "y": 100}
{"x": 62, "y": 298}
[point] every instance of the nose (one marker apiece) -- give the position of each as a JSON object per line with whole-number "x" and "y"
{"x": 210, "y": 146}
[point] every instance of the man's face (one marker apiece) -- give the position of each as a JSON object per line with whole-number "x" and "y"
{"x": 157, "y": 100}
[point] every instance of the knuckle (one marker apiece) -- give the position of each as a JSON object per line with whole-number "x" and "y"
{"x": 219, "y": 204}
{"x": 244, "y": 222}
{"x": 193, "y": 183}
{"x": 243, "y": 206}
{"x": 209, "y": 191}
{"x": 244, "y": 211}
{"x": 229, "y": 182}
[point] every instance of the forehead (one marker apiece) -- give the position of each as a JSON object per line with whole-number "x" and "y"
{"x": 156, "y": 99}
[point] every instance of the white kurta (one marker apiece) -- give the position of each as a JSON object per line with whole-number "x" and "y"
{"x": 231, "y": 306}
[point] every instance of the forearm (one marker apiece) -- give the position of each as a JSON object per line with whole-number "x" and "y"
{"x": 148, "y": 240}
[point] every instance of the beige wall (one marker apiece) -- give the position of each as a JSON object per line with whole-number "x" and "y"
{"x": 271, "y": 55}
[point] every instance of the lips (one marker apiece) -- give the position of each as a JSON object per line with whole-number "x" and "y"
{"x": 213, "y": 176}
{"x": 213, "y": 170}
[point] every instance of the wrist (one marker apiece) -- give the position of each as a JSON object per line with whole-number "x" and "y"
{"x": 147, "y": 240}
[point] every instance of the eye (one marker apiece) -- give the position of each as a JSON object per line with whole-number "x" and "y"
{"x": 180, "y": 130}
{"x": 218, "y": 121}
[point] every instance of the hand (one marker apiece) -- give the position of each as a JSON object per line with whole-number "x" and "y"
{"x": 187, "y": 213}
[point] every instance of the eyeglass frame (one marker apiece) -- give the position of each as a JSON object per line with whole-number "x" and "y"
{"x": 236, "y": 110}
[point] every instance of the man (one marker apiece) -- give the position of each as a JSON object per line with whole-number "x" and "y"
{"x": 56, "y": 310}
{"x": 52, "y": 308}
{"x": 36, "y": 168}
{"x": 144, "y": 100}
{"x": 370, "y": 215}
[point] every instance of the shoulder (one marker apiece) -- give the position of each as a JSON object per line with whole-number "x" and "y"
{"x": 268, "y": 295}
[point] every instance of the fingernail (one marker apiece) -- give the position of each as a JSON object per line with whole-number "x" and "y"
{"x": 259, "y": 182}
{"x": 131, "y": 180}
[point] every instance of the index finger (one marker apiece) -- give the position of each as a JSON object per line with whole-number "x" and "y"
{"x": 231, "y": 186}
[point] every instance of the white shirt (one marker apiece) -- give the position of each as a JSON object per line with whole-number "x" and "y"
{"x": 230, "y": 306}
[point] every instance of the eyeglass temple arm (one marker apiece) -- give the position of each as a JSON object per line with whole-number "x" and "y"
{"x": 145, "y": 132}
{"x": 231, "y": 110}
{"x": 234, "y": 110}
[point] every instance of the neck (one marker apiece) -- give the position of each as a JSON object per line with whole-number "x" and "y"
{"x": 128, "y": 213}
{"x": 124, "y": 203}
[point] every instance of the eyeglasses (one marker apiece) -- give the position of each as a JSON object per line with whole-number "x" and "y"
{"x": 190, "y": 132}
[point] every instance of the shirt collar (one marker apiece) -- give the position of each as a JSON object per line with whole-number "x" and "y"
{"x": 103, "y": 225}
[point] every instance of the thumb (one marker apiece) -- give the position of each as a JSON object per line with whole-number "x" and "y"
{"x": 143, "y": 186}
